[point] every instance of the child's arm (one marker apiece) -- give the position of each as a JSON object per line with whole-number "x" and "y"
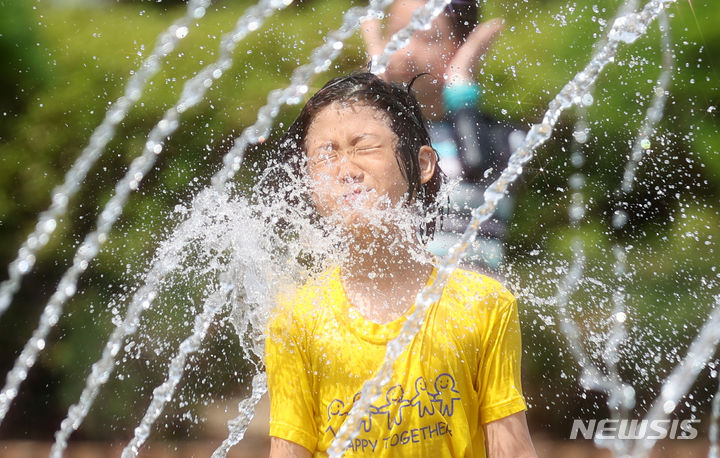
{"x": 509, "y": 437}
{"x": 292, "y": 421}
{"x": 280, "y": 448}
{"x": 502, "y": 411}
{"x": 463, "y": 63}
{"x": 373, "y": 37}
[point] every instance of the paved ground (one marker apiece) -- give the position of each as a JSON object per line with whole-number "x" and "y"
{"x": 257, "y": 444}
{"x": 259, "y": 448}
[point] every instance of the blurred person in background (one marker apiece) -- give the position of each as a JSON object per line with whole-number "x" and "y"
{"x": 473, "y": 147}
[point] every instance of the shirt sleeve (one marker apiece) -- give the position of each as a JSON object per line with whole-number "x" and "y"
{"x": 289, "y": 383}
{"x": 499, "y": 373}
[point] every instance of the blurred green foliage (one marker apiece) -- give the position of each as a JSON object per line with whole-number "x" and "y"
{"x": 64, "y": 66}
{"x": 26, "y": 66}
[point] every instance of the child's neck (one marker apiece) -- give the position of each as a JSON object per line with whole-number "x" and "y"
{"x": 382, "y": 276}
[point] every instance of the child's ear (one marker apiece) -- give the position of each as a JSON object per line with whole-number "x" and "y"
{"x": 427, "y": 158}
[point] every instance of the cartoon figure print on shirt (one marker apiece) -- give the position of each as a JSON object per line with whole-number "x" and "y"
{"x": 394, "y": 397}
{"x": 421, "y": 400}
{"x": 395, "y": 408}
{"x": 336, "y": 408}
{"x": 445, "y": 394}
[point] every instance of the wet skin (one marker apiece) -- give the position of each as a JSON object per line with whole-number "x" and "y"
{"x": 351, "y": 162}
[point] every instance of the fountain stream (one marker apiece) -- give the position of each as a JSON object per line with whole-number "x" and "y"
{"x": 191, "y": 95}
{"x": 47, "y": 221}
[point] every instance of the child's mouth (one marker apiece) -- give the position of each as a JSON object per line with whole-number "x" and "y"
{"x": 355, "y": 194}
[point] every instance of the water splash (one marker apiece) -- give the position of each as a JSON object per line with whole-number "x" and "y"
{"x": 682, "y": 377}
{"x": 625, "y": 29}
{"x": 240, "y": 264}
{"x": 167, "y": 259}
{"x": 246, "y": 408}
{"x": 163, "y": 393}
{"x": 207, "y": 245}
{"x": 622, "y": 396}
{"x": 570, "y": 282}
{"x": 61, "y": 195}
{"x": 251, "y": 269}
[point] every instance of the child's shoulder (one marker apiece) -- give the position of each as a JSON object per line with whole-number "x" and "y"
{"x": 472, "y": 280}
{"x": 307, "y": 299}
{"x": 474, "y": 287}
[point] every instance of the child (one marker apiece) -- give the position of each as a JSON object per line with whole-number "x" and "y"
{"x": 450, "y": 50}
{"x": 456, "y": 389}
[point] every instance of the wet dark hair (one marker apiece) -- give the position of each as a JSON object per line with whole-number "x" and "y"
{"x": 463, "y": 15}
{"x": 400, "y": 106}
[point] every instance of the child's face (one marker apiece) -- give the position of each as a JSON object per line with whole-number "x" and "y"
{"x": 352, "y": 163}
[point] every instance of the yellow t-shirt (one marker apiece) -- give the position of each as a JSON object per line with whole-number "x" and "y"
{"x": 460, "y": 371}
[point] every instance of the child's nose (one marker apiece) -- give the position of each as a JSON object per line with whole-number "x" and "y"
{"x": 349, "y": 172}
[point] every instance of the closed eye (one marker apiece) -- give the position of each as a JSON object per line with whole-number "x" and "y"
{"x": 324, "y": 158}
{"x": 366, "y": 149}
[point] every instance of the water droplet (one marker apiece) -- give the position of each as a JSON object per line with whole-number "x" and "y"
{"x": 669, "y": 406}
{"x": 69, "y": 290}
{"x": 645, "y": 143}
{"x": 587, "y": 100}
{"x": 577, "y": 159}
{"x": 619, "y": 219}
{"x": 576, "y": 212}
{"x": 49, "y": 225}
{"x": 627, "y": 29}
{"x": 115, "y": 116}
{"x": 23, "y": 266}
{"x": 580, "y": 136}
{"x": 199, "y": 12}
{"x": 620, "y": 317}
{"x": 60, "y": 199}
{"x": 181, "y": 32}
